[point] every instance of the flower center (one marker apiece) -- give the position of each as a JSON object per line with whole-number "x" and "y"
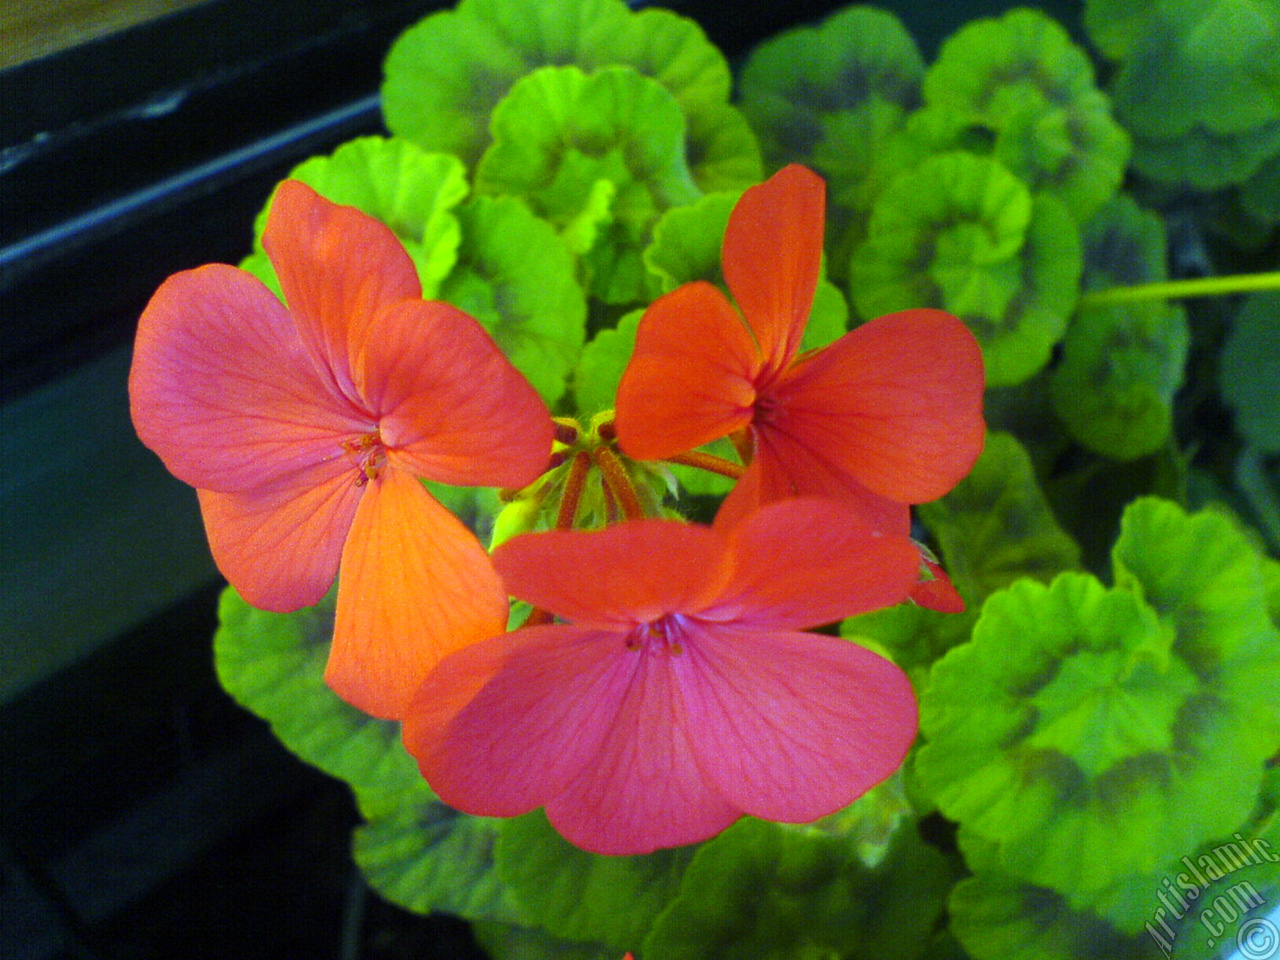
{"x": 368, "y": 454}
{"x": 662, "y": 636}
{"x": 766, "y": 409}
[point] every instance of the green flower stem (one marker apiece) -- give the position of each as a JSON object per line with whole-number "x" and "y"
{"x": 1178, "y": 289}
{"x": 710, "y": 463}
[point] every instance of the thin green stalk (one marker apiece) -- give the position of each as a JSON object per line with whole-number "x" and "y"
{"x": 1178, "y": 289}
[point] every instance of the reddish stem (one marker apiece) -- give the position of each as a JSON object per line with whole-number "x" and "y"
{"x": 620, "y": 485}
{"x": 710, "y": 463}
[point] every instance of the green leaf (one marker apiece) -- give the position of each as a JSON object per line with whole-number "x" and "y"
{"x": 687, "y": 241}
{"x": 445, "y": 75}
{"x": 1029, "y": 91}
{"x": 600, "y": 368}
{"x": 413, "y": 192}
{"x": 1075, "y": 734}
{"x": 995, "y": 917}
{"x": 763, "y": 891}
{"x": 273, "y": 665}
{"x": 501, "y": 941}
{"x": 516, "y": 277}
{"x": 1260, "y": 194}
{"x": 961, "y": 233}
{"x": 807, "y": 89}
{"x": 1198, "y": 85}
{"x": 1211, "y": 64}
{"x": 1122, "y": 365}
{"x": 425, "y": 856}
{"x": 1120, "y": 369}
{"x": 559, "y": 132}
{"x": 1203, "y": 160}
{"x": 583, "y": 896}
{"x": 1206, "y": 580}
{"x": 1249, "y": 374}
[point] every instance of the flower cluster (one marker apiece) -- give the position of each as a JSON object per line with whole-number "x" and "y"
{"x": 664, "y": 684}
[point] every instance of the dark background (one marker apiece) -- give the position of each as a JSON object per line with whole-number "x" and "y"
{"x": 142, "y": 813}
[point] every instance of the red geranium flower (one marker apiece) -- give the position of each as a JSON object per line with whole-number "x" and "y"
{"x": 888, "y": 415}
{"x": 681, "y": 695}
{"x": 305, "y": 429}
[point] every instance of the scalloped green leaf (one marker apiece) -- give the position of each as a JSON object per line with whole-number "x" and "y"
{"x": 583, "y": 896}
{"x": 1206, "y": 580}
{"x": 1260, "y": 194}
{"x": 996, "y": 917}
{"x": 808, "y": 89}
{"x": 1249, "y": 373}
{"x": 425, "y": 856}
{"x": 273, "y": 664}
{"x": 561, "y": 131}
{"x": 502, "y": 941}
{"x": 1020, "y": 83}
{"x": 600, "y": 368}
{"x": 961, "y": 233}
{"x": 1122, "y": 365}
{"x": 1075, "y": 733}
{"x": 1214, "y": 64}
{"x": 410, "y": 190}
{"x": 764, "y": 891}
{"x": 445, "y": 101}
{"x": 1203, "y": 160}
{"x": 516, "y": 277}
{"x": 1120, "y": 369}
{"x": 687, "y": 240}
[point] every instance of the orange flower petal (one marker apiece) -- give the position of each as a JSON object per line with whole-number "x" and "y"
{"x": 785, "y": 467}
{"x": 896, "y": 404}
{"x": 691, "y": 377}
{"x": 806, "y": 561}
{"x": 336, "y": 266}
{"x": 223, "y": 390}
{"x": 451, "y": 406}
{"x": 576, "y": 574}
{"x": 939, "y": 593}
{"x": 415, "y": 585}
{"x": 771, "y": 257}
{"x": 279, "y": 545}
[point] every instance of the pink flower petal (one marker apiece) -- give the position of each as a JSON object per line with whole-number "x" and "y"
{"x": 691, "y": 376}
{"x": 629, "y": 573}
{"x": 279, "y": 545}
{"x": 794, "y": 726}
{"x": 451, "y": 406}
{"x": 336, "y": 266}
{"x": 771, "y": 257}
{"x": 804, "y": 562}
{"x": 501, "y": 727}
{"x": 643, "y": 790}
{"x": 415, "y": 585}
{"x": 896, "y": 404}
{"x": 222, "y": 389}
